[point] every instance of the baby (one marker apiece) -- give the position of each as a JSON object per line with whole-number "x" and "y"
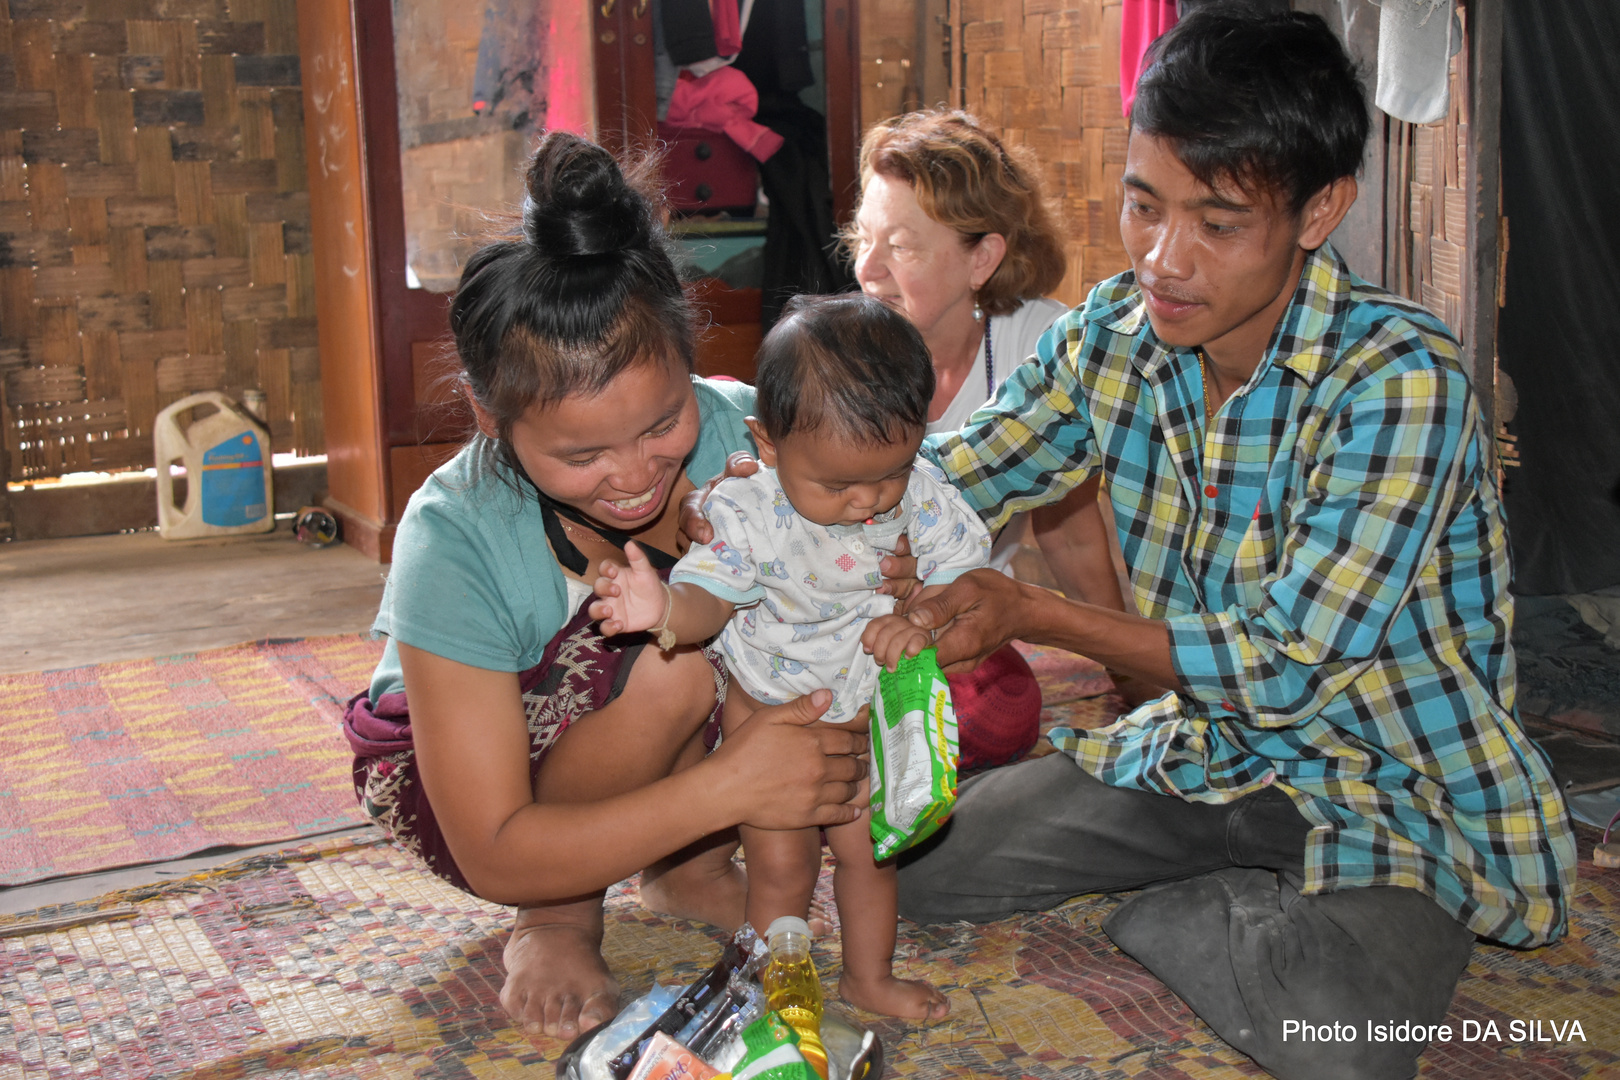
{"x": 790, "y": 582}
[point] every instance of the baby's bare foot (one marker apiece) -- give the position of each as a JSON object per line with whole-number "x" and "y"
{"x": 905, "y": 998}
{"x": 556, "y": 979}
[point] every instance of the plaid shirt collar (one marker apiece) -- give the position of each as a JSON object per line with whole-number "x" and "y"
{"x": 1306, "y": 339}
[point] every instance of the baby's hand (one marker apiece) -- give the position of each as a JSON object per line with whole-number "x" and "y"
{"x": 889, "y": 637}
{"x": 630, "y": 598}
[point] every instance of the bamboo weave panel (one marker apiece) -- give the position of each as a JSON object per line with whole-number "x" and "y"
{"x": 1437, "y": 222}
{"x": 154, "y": 224}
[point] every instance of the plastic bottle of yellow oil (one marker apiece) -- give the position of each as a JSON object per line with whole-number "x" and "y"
{"x": 793, "y": 989}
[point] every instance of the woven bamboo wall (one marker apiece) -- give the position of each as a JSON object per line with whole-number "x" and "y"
{"x": 1430, "y": 163}
{"x": 1046, "y": 73}
{"x": 154, "y": 224}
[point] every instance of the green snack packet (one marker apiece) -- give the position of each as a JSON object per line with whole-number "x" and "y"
{"x": 914, "y": 754}
{"x": 772, "y": 1052}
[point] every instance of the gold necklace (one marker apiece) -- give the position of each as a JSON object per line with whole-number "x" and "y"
{"x": 1203, "y": 373}
{"x": 569, "y": 527}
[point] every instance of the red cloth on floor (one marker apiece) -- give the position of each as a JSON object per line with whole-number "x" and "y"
{"x": 998, "y": 710}
{"x": 727, "y": 27}
{"x": 723, "y": 100}
{"x": 1141, "y": 22}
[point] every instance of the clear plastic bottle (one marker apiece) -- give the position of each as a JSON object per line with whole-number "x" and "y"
{"x": 793, "y": 989}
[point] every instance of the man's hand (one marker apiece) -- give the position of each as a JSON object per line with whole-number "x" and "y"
{"x": 694, "y": 528}
{"x": 788, "y": 772}
{"x": 974, "y": 616}
{"x": 889, "y": 637}
{"x": 629, "y": 598}
{"x": 983, "y": 610}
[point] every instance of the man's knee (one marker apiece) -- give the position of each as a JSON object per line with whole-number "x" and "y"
{"x": 961, "y": 873}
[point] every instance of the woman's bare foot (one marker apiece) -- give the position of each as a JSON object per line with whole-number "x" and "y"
{"x": 699, "y": 883}
{"x": 889, "y": 996}
{"x": 713, "y": 897}
{"x": 556, "y": 979}
{"x": 714, "y": 892}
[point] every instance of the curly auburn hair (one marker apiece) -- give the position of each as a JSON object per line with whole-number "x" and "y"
{"x": 965, "y": 177}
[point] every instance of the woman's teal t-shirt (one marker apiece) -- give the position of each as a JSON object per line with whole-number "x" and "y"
{"x": 473, "y": 578}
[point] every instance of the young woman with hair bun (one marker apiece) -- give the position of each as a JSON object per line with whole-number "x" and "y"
{"x": 522, "y": 756}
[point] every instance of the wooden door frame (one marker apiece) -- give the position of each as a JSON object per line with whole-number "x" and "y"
{"x": 841, "y": 43}
{"x": 406, "y": 315}
{"x": 1484, "y": 180}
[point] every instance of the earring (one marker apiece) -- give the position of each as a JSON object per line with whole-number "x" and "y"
{"x": 978, "y": 312}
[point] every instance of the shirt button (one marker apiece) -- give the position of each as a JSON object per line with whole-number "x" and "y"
{"x": 1211, "y": 490}
{"x": 856, "y": 546}
{"x": 1227, "y": 705}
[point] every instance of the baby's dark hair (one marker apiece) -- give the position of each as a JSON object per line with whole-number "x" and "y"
{"x": 585, "y": 289}
{"x": 846, "y": 363}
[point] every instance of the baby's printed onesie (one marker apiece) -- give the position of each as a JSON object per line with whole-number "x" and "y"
{"x": 804, "y": 592}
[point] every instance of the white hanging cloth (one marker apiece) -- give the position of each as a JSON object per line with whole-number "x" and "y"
{"x": 1416, "y": 39}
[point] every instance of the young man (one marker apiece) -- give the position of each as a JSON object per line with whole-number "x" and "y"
{"x": 1337, "y": 793}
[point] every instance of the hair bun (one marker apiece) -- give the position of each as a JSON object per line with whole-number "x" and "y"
{"x": 579, "y": 203}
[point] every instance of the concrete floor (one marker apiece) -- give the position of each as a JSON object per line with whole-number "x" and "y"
{"x": 88, "y": 600}
{"x": 92, "y": 599}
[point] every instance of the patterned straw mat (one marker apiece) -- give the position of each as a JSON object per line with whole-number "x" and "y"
{"x": 342, "y": 959}
{"x": 116, "y": 764}
{"x": 346, "y": 960}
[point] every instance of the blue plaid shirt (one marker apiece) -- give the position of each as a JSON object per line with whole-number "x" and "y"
{"x": 1330, "y": 556}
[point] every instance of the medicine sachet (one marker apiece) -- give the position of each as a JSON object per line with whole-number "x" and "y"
{"x": 914, "y": 754}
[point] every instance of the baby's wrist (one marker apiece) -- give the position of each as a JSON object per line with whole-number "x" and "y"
{"x": 662, "y": 634}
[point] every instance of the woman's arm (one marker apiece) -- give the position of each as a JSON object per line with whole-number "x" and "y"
{"x": 1074, "y": 538}
{"x": 472, "y": 748}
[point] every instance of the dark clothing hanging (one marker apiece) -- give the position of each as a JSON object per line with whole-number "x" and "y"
{"x": 801, "y": 243}
{"x": 776, "y": 49}
{"x": 688, "y": 30}
{"x": 1560, "y": 99}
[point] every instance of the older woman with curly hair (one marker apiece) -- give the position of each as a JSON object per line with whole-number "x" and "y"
{"x": 953, "y": 232}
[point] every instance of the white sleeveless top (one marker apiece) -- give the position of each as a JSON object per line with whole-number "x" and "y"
{"x": 1012, "y": 341}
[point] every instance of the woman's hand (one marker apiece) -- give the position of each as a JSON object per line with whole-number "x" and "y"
{"x": 785, "y": 771}
{"x": 974, "y": 616}
{"x": 889, "y": 637}
{"x": 693, "y": 527}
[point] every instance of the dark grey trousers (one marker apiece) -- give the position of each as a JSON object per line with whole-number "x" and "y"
{"x": 1223, "y": 925}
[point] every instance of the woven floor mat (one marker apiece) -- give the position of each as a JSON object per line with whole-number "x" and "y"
{"x": 350, "y": 961}
{"x": 144, "y": 760}
{"x": 139, "y": 761}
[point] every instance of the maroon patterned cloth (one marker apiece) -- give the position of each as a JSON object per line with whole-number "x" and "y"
{"x": 579, "y": 672}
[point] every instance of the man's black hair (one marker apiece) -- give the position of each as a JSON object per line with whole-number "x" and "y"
{"x": 1269, "y": 101}
{"x": 849, "y": 364}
